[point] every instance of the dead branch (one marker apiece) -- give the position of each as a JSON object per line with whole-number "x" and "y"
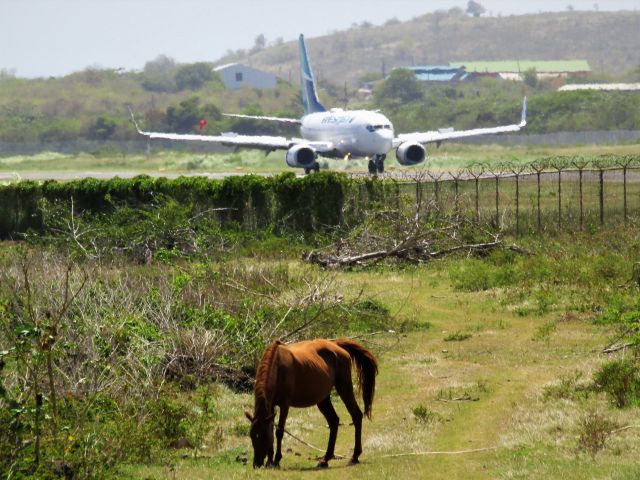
{"x": 617, "y": 348}
{"x": 459, "y": 452}
{"x": 410, "y": 249}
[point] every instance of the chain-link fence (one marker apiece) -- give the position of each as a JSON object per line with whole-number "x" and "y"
{"x": 551, "y": 194}
{"x": 554, "y": 194}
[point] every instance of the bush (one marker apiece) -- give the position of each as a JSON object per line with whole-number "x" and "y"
{"x": 595, "y": 429}
{"x": 475, "y": 275}
{"x": 457, "y": 337}
{"x": 426, "y": 415}
{"x": 620, "y": 379}
{"x": 569, "y": 388}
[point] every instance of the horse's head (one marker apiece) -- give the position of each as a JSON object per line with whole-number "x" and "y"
{"x": 261, "y": 438}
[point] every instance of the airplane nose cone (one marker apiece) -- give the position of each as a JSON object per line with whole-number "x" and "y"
{"x": 385, "y": 140}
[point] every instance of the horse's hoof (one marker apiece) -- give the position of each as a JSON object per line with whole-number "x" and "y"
{"x": 354, "y": 461}
{"x": 323, "y": 464}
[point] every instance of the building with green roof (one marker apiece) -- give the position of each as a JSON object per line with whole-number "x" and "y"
{"x": 514, "y": 69}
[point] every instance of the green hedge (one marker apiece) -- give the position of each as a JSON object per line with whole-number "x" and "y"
{"x": 283, "y": 202}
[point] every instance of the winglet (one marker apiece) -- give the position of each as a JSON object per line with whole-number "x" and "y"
{"x": 133, "y": 119}
{"x": 523, "y": 119}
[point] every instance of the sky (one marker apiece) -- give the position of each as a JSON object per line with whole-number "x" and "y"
{"x": 41, "y": 38}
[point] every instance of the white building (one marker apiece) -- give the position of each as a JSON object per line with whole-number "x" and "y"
{"x": 622, "y": 87}
{"x": 236, "y": 75}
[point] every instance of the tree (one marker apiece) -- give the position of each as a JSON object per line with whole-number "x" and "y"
{"x": 158, "y": 75}
{"x": 259, "y": 43}
{"x": 401, "y": 86}
{"x": 103, "y": 128}
{"x": 185, "y": 116}
{"x": 161, "y": 64}
{"x": 531, "y": 77}
{"x": 193, "y": 76}
{"x": 475, "y": 8}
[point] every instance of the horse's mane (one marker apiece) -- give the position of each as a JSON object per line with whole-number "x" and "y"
{"x": 264, "y": 375}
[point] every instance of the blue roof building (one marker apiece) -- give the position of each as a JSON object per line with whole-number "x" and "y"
{"x": 438, "y": 73}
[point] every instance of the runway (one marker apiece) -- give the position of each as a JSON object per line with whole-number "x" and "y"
{"x": 105, "y": 175}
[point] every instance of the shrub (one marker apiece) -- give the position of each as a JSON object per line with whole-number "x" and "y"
{"x": 594, "y": 429}
{"x": 620, "y": 379}
{"x": 426, "y": 415}
{"x": 543, "y": 332}
{"x": 569, "y": 388}
{"x": 457, "y": 337}
{"x": 477, "y": 275}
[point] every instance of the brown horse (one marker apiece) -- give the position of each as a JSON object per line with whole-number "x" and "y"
{"x": 302, "y": 375}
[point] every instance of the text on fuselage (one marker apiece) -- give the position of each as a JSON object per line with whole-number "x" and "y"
{"x": 337, "y": 120}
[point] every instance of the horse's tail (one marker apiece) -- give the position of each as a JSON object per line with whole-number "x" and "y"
{"x": 366, "y": 368}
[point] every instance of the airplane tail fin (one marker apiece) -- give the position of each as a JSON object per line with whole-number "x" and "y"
{"x": 309, "y": 94}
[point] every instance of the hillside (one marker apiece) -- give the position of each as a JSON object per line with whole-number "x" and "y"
{"x": 92, "y": 104}
{"x": 608, "y": 40}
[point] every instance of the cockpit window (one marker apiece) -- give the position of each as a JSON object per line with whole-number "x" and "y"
{"x": 373, "y": 128}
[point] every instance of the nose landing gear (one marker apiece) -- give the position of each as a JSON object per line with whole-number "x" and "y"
{"x": 315, "y": 168}
{"x": 376, "y": 164}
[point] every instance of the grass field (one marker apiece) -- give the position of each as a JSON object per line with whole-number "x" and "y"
{"x": 447, "y": 157}
{"x": 484, "y": 376}
{"x": 433, "y": 395}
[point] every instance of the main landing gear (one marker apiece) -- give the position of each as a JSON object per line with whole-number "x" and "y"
{"x": 315, "y": 168}
{"x": 376, "y": 164}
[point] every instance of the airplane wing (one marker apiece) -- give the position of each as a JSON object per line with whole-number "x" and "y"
{"x": 294, "y": 121}
{"x": 450, "y": 134}
{"x": 260, "y": 142}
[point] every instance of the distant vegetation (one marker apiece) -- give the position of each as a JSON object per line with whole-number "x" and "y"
{"x": 167, "y": 96}
{"x": 607, "y": 40}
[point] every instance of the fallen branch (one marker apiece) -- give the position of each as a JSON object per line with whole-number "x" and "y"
{"x": 394, "y": 455}
{"x": 410, "y": 249}
{"x": 617, "y": 348}
{"x": 465, "y": 398}
{"x": 628, "y": 427}
{"x": 459, "y": 452}
{"x": 313, "y": 447}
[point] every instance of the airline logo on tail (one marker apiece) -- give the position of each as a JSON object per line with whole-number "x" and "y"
{"x": 309, "y": 95}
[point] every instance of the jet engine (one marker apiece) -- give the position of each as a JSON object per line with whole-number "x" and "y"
{"x": 301, "y": 156}
{"x": 410, "y": 153}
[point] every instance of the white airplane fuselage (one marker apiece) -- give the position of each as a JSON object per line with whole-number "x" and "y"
{"x": 357, "y": 133}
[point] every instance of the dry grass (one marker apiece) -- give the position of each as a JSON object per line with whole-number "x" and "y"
{"x": 500, "y": 367}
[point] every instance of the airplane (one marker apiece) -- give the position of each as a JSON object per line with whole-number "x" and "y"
{"x": 338, "y": 133}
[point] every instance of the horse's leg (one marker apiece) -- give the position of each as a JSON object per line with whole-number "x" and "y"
{"x": 345, "y": 390}
{"x": 326, "y": 407}
{"x": 284, "y": 411}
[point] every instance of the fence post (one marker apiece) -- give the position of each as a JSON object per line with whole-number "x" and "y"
{"x": 476, "y": 171}
{"x": 496, "y": 175}
{"x": 580, "y": 164}
{"x": 538, "y": 167}
{"x": 456, "y": 179}
{"x": 624, "y": 162}
{"x": 601, "y": 165}
{"x": 436, "y": 186}
{"x": 419, "y": 179}
{"x": 517, "y": 171}
{"x": 559, "y": 164}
